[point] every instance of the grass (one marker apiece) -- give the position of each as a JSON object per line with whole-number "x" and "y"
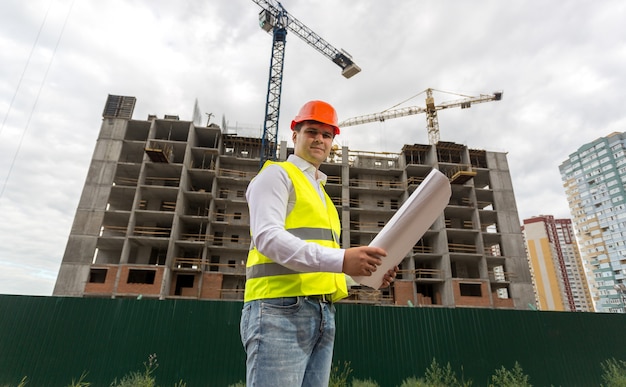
{"x": 436, "y": 375}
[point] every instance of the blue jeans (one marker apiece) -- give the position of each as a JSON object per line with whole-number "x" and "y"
{"x": 288, "y": 341}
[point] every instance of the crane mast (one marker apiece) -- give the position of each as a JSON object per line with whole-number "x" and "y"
{"x": 432, "y": 122}
{"x": 276, "y": 20}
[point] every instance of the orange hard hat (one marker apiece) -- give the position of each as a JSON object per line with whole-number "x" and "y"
{"x": 319, "y": 111}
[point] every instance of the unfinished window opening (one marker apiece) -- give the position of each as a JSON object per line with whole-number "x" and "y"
{"x": 426, "y": 294}
{"x": 240, "y": 193}
{"x": 379, "y": 183}
{"x": 394, "y": 204}
{"x": 218, "y": 238}
{"x": 461, "y": 269}
{"x": 494, "y": 250}
{"x": 215, "y": 260}
{"x": 499, "y": 274}
{"x": 237, "y": 216}
{"x": 223, "y": 194}
{"x": 381, "y": 223}
{"x": 470, "y": 290}
{"x": 380, "y": 204}
{"x": 231, "y": 263}
{"x": 220, "y": 215}
{"x": 183, "y": 281}
{"x": 138, "y": 276}
{"x": 97, "y": 276}
{"x": 234, "y": 238}
{"x": 157, "y": 256}
{"x": 167, "y": 206}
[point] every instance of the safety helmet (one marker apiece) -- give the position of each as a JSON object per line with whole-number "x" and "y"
{"x": 319, "y": 111}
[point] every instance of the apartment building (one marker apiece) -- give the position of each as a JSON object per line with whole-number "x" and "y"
{"x": 163, "y": 214}
{"x": 555, "y": 264}
{"x": 594, "y": 178}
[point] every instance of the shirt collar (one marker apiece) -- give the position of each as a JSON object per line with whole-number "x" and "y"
{"x": 307, "y": 167}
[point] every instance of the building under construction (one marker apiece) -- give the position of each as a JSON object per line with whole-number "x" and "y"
{"x": 163, "y": 215}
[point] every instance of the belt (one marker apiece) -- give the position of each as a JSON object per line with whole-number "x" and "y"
{"x": 323, "y": 298}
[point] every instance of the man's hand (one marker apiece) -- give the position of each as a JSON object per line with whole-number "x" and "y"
{"x": 390, "y": 275}
{"x": 362, "y": 261}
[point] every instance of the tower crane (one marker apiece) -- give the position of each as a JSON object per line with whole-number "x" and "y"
{"x": 432, "y": 123}
{"x": 276, "y": 20}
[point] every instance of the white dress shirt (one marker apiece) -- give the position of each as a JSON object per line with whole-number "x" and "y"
{"x": 271, "y": 197}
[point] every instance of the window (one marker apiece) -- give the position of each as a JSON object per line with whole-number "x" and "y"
{"x": 470, "y": 290}
{"x": 215, "y": 260}
{"x": 218, "y": 238}
{"x": 138, "y": 276}
{"x": 183, "y": 281}
{"x": 97, "y": 276}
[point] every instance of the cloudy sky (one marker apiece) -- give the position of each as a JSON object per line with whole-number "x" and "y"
{"x": 560, "y": 64}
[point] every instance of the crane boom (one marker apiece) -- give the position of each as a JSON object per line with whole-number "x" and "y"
{"x": 430, "y": 110}
{"x": 339, "y": 57}
{"x": 275, "y": 19}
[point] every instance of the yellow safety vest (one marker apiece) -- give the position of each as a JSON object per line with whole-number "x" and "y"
{"x": 311, "y": 221}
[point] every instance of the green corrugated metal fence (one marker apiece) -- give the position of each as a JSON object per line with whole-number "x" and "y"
{"x": 52, "y": 340}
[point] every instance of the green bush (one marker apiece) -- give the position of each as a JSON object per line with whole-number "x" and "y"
{"x": 22, "y": 383}
{"x": 364, "y": 383}
{"x": 80, "y": 382}
{"x": 436, "y": 376}
{"x": 414, "y": 382}
{"x": 614, "y": 373}
{"x": 510, "y": 378}
{"x": 140, "y": 379}
{"x": 339, "y": 375}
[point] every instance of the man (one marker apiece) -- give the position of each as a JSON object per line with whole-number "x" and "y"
{"x": 296, "y": 269}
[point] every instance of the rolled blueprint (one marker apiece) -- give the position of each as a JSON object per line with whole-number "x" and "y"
{"x": 408, "y": 224}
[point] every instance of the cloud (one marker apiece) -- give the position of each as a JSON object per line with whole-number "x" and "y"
{"x": 560, "y": 66}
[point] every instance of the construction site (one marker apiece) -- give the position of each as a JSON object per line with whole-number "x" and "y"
{"x": 163, "y": 215}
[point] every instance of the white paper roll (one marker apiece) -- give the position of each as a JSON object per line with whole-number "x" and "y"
{"x": 409, "y": 223}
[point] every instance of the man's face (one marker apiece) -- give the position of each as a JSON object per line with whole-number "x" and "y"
{"x": 313, "y": 142}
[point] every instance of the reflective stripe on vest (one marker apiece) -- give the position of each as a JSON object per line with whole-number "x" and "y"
{"x": 310, "y": 233}
{"x": 269, "y": 269}
{"x": 312, "y": 220}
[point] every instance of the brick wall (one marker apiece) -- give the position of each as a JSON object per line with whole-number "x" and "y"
{"x": 484, "y": 300}
{"x": 404, "y": 291}
{"x": 140, "y": 288}
{"x": 211, "y": 286}
{"x": 502, "y": 302}
{"x": 107, "y": 286}
{"x": 185, "y": 291}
